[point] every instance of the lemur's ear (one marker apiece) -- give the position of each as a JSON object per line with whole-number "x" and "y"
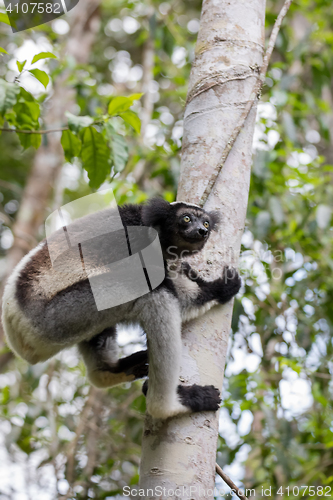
{"x": 156, "y": 212}
{"x": 215, "y": 219}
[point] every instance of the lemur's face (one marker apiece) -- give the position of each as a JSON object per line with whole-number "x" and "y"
{"x": 183, "y": 227}
{"x": 193, "y": 227}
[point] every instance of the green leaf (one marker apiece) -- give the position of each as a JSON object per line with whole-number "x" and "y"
{"x": 36, "y": 140}
{"x": 5, "y": 395}
{"x": 135, "y": 97}
{"x": 118, "y": 146}
{"x": 132, "y": 119}
{"x": 4, "y": 18}
{"x": 119, "y": 152}
{"x": 20, "y": 65}
{"x": 41, "y": 76}
{"x": 76, "y": 123}
{"x": 43, "y": 55}
{"x": 3, "y": 51}
{"x": 121, "y": 104}
{"x": 8, "y": 95}
{"x": 26, "y": 96}
{"x": 95, "y": 156}
{"x": 27, "y": 114}
{"x": 28, "y": 140}
{"x": 71, "y": 145}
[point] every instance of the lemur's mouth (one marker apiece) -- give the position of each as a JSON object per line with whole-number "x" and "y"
{"x": 195, "y": 238}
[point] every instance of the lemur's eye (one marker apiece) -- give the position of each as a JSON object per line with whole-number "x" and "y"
{"x": 186, "y": 218}
{"x": 206, "y": 224}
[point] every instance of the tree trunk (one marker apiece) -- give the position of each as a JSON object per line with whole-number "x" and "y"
{"x": 49, "y": 157}
{"x": 182, "y": 451}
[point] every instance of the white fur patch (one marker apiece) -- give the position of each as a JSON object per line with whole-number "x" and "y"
{"x": 192, "y": 313}
{"x": 185, "y": 203}
{"x": 162, "y": 409}
{"x": 186, "y": 288}
{"x": 188, "y": 291}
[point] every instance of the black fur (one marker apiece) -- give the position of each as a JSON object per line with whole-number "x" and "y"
{"x": 221, "y": 289}
{"x": 196, "y": 397}
{"x": 200, "y": 398}
{"x": 67, "y": 315}
{"x": 167, "y": 219}
{"x": 136, "y": 364}
{"x": 131, "y": 215}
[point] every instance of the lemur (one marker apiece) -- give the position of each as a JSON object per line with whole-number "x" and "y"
{"x": 46, "y": 310}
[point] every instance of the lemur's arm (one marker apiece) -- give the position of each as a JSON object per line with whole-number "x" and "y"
{"x": 221, "y": 289}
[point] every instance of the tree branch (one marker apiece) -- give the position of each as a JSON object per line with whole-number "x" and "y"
{"x": 254, "y": 95}
{"x": 229, "y": 482}
{"x": 41, "y": 132}
{"x": 82, "y": 425}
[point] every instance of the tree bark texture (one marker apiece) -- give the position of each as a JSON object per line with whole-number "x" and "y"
{"x": 49, "y": 157}
{"x": 181, "y": 452}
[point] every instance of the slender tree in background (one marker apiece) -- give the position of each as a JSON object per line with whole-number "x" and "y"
{"x": 49, "y": 157}
{"x": 228, "y": 54}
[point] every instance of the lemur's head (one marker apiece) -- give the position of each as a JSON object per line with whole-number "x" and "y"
{"x": 183, "y": 228}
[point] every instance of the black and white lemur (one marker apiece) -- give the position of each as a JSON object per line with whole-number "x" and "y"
{"x": 45, "y": 311}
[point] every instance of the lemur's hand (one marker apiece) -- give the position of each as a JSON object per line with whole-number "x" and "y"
{"x": 221, "y": 289}
{"x": 188, "y": 271}
{"x": 231, "y": 283}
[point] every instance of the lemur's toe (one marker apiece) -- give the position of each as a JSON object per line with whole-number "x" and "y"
{"x": 141, "y": 370}
{"x": 145, "y": 387}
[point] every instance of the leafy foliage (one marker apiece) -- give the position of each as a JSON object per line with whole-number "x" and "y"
{"x": 100, "y": 150}
{"x": 277, "y": 409}
{"x": 95, "y": 155}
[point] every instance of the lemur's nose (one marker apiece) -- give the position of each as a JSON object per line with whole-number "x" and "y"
{"x": 203, "y": 231}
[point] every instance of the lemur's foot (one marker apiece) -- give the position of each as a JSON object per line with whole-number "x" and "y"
{"x": 136, "y": 364}
{"x": 141, "y": 369}
{"x": 199, "y": 397}
{"x": 196, "y": 397}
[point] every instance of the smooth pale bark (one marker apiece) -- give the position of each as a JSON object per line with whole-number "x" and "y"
{"x": 49, "y": 157}
{"x": 182, "y": 452}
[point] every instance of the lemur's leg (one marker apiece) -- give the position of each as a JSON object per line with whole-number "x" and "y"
{"x": 220, "y": 290}
{"x": 161, "y": 320}
{"x": 104, "y": 369}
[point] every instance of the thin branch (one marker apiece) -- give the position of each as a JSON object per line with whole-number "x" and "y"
{"x": 229, "y": 482}
{"x": 94, "y": 429}
{"x": 11, "y": 186}
{"x": 253, "y": 97}
{"x": 51, "y": 409}
{"x": 82, "y": 425}
{"x": 20, "y": 131}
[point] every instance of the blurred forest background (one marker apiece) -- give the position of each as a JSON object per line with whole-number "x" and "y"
{"x": 276, "y": 423}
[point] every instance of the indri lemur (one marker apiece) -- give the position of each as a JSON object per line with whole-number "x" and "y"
{"x": 45, "y": 311}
